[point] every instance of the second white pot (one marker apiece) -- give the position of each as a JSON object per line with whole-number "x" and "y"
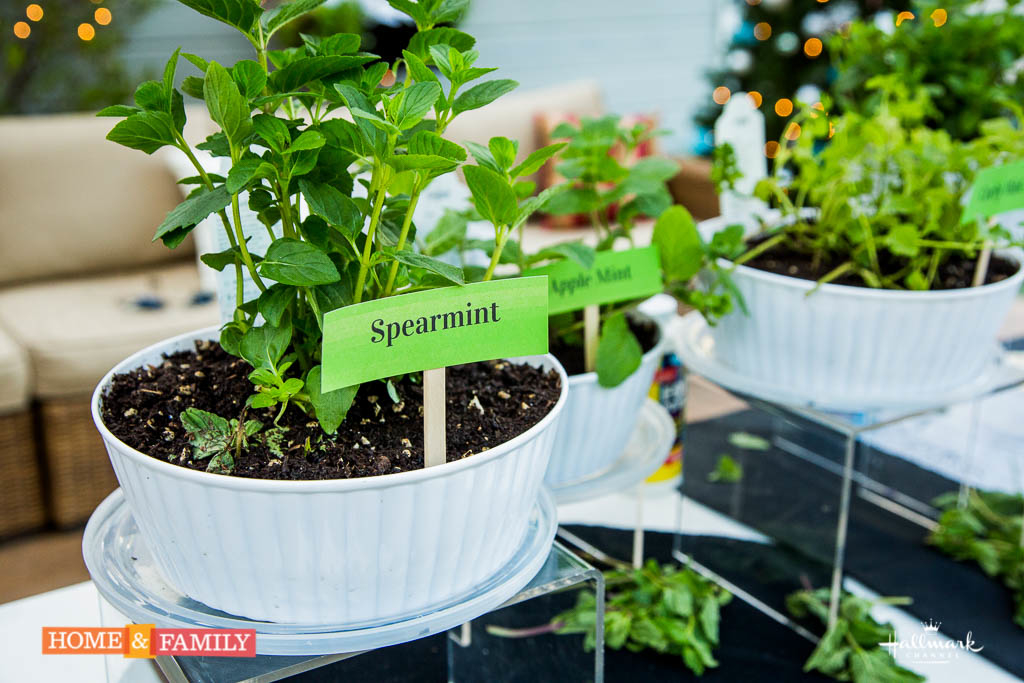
{"x": 352, "y": 551}
{"x": 597, "y": 422}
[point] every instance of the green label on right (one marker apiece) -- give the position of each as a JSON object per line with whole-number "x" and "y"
{"x": 996, "y": 190}
{"x": 615, "y": 276}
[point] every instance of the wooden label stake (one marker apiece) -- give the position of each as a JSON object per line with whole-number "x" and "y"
{"x": 981, "y": 270}
{"x": 591, "y": 332}
{"x": 435, "y": 444}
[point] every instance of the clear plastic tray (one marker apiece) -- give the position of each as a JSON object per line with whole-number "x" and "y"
{"x": 123, "y": 571}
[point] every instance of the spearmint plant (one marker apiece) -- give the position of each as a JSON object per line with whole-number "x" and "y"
{"x": 301, "y": 127}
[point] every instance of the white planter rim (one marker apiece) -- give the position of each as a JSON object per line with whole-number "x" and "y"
{"x": 658, "y": 348}
{"x": 306, "y": 486}
{"x": 852, "y": 291}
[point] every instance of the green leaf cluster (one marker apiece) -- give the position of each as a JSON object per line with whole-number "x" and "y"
{"x": 885, "y": 191}
{"x": 985, "y": 529}
{"x": 668, "y": 609}
{"x": 960, "y": 55}
{"x": 216, "y": 439}
{"x": 850, "y": 650}
{"x": 301, "y": 127}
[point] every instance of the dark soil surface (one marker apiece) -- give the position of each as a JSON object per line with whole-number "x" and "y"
{"x": 488, "y": 404}
{"x": 955, "y": 273}
{"x": 570, "y": 355}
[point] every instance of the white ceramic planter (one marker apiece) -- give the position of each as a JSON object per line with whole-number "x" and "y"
{"x": 860, "y": 345}
{"x": 597, "y": 422}
{"x": 353, "y": 551}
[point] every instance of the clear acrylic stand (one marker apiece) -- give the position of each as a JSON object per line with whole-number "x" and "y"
{"x": 798, "y": 492}
{"x": 475, "y": 657}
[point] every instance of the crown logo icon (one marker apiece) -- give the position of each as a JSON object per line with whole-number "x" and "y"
{"x": 931, "y": 626}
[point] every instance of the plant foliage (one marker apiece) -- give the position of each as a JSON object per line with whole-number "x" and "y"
{"x": 302, "y": 127}
{"x": 672, "y": 610}
{"x": 886, "y": 192}
{"x": 986, "y": 529}
{"x": 966, "y": 59}
{"x": 850, "y": 650}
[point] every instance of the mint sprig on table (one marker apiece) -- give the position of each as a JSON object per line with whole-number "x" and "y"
{"x": 851, "y": 650}
{"x": 986, "y": 530}
{"x": 669, "y": 609}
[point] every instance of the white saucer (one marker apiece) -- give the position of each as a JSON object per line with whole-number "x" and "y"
{"x": 648, "y": 446}
{"x": 123, "y": 571}
{"x": 696, "y": 349}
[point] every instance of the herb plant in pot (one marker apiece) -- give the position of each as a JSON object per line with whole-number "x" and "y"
{"x": 870, "y": 290}
{"x": 609, "y": 381}
{"x": 259, "y": 491}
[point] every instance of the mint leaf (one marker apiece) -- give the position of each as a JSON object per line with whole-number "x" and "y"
{"x": 679, "y": 244}
{"x": 332, "y": 407}
{"x": 446, "y": 270}
{"x": 293, "y": 262}
{"x": 493, "y": 196}
{"x": 146, "y": 131}
{"x": 417, "y": 100}
{"x": 226, "y": 105}
{"x": 483, "y": 94}
{"x": 242, "y": 14}
{"x": 333, "y": 206}
{"x": 285, "y": 13}
{"x": 181, "y": 219}
{"x": 618, "y": 352}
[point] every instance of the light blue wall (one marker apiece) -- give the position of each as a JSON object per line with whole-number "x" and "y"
{"x": 648, "y": 55}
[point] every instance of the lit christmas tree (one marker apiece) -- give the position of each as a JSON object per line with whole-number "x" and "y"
{"x": 778, "y": 53}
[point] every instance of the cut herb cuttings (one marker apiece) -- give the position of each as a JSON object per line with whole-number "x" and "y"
{"x": 851, "y": 650}
{"x": 671, "y": 610}
{"x": 986, "y": 529}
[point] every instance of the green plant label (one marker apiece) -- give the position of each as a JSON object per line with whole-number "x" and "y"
{"x": 434, "y": 329}
{"x": 996, "y": 190}
{"x": 615, "y": 276}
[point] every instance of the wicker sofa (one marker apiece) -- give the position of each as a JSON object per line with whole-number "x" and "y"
{"x": 81, "y": 287}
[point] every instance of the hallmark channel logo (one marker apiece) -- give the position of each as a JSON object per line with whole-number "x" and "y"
{"x": 143, "y": 640}
{"x": 931, "y": 647}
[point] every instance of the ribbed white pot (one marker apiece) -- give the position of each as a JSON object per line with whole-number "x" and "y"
{"x": 861, "y": 345}
{"x": 352, "y": 551}
{"x": 597, "y": 422}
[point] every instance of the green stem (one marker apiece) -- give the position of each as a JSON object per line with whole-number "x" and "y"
{"x": 402, "y": 237}
{"x": 364, "y": 262}
{"x": 499, "y": 244}
{"x": 760, "y": 249}
{"x": 246, "y": 256}
{"x": 316, "y": 309}
{"x": 239, "y": 286}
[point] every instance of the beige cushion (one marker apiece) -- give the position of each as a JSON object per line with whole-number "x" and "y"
{"x": 13, "y": 376}
{"x": 512, "y": 116}
{"x": 74, "y": 202}
{"x": 76, "y": 330}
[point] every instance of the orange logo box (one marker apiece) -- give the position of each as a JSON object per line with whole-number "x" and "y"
{"x": 71, "y": 640}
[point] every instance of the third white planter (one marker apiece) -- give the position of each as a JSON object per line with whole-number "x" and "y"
{"x": 857, "y": 345}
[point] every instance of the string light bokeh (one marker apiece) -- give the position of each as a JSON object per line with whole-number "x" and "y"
{"x": 813, "y": 47}
{"x": 35, "y": 12}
